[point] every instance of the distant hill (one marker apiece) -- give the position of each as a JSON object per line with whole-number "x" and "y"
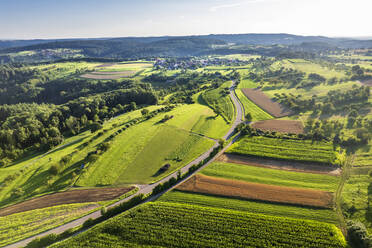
{"x": 137, "y": 47}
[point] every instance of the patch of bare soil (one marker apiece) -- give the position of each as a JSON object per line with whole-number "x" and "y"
{"x": 108, "y": 75}
{"x": 257, "y": 191}
{"x": 106, "y": 65}
{"x": 67, "y": 197}
{"x": 280, "y": 164}
{"x": 367, "y": 82}
{"x": 282, "y": 126}
{"x": 264, "y": 102}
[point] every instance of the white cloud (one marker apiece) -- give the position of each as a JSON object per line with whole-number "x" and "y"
{"x": 232, "y": 5}
{"x": 223, "y": 6}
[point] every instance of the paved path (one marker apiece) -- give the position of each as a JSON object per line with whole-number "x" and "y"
{"x": 146, "y": 189}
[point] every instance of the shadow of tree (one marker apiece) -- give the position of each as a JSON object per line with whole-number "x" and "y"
{"x": 369, "y": 208}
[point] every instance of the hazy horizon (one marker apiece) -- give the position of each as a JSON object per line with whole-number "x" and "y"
{"x": 51, "y": 19}
{"x": 152, "y": 36}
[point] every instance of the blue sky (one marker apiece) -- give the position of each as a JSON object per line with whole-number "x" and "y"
{"x": 27, "y": 19}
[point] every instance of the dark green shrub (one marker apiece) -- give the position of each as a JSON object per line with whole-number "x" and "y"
{"x": 358, "y": 235}
{"x": 54, "y": 170}
{"x": 88, "y": 223}
{"x": 43, "y": 242}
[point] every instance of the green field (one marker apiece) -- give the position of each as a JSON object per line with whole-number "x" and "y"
{"x": 357, "y": 196}
{"x": 319, "y": 90}
{"x": 246, "y": 83}
{"x": 19, "y": 226}
{"x": 199, "y": 119}
{"x": 287, "y": 149}
{"x": 30, "y": 176}
{"x": 323, "y": 215}
{"x": 138, "y": 153}
{"x": 126, "y": 66}
{"x": 363, "y": 157}
{"x": 220, "y": 103}
{"x": 256, "y": 112}
{"x": 135, "y": 155}
{"x": 272, "y": 176}
{"x": 63, "y": 69}
{"x": 308, "y": 67}
{"x": 181, "y": 225}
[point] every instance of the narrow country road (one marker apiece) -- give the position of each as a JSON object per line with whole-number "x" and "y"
{"x": 146, "y": 189}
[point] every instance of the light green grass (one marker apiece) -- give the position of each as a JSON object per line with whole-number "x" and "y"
{"x": 19, "y": 226}
{"x": 256, "y": 112}
{"x": 126, "y": 67}
{"x": 287, "y": 149}
{"x": 319, "y": 90}
{"x": 246, "y": 83}
{"x": 182, "y": 225}
{"x": 308, "y": 67}
{"x": 168, "y": 145}
{"x": 138, "y": 153}
{"x": 199, "y": 119}
{"x": 238, "y": 56}
{"x": 272, "y": 176}
{"x": 63, "y": 69}
{"x": 324, "y": 215}
{"x": 363, "y": 157}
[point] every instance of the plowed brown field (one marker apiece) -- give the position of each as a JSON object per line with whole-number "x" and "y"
{"x": 264, "y": 102}
{"x": 256, "y": 191}
{"x": 108, "y": 75}
{"x": 368, "y": 82}
{"x": 282, "y": 126}
{"x": 67, "y": 197}
{"x": 280, "y": 164}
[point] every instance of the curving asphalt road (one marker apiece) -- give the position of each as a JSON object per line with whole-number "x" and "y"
{"x": 145, "y": 189}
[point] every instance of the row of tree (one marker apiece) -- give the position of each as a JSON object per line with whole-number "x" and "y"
{"x": 25, "y": 127}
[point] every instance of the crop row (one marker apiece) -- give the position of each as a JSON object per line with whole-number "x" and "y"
{"x": 181, "y": 225}
{"x": 301, "y": 150}
{"x": 22, "y": 225}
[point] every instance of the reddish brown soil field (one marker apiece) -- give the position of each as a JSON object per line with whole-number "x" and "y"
{"x": 280, "y": 164}
{"x": 106, "y": 65}
{"x": 368, "y": 82}
{"x": 256, "y": 191}
{"x": 73, "y": 196}
{"x": 108, "y": 75}
{"x": 264, "y": 102}
{"x": 282, "y": 126}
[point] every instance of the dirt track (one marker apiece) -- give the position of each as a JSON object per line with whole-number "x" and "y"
{"x": 73, "y": 196}
{"x": 264, "y": 102}
{"x": 279, "y": 164}
{"x": 368, "y": 82}
{"x": 282, "y": 126}
{"x": 256, "y": 191}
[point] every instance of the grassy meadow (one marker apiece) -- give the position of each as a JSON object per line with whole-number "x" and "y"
{"x": 136, "y": 156}
{"x": 308, "y": 66}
